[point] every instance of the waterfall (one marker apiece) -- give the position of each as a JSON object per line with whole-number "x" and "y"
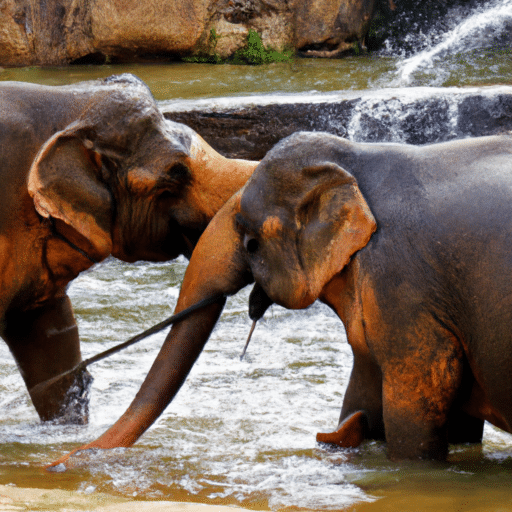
{"x": 482, "y": 28}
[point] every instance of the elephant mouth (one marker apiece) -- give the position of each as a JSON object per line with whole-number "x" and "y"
{"x": 188, "y": 245}
{"x": 181, "y": 241}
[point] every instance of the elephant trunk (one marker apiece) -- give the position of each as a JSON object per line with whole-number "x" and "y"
{"x": 178, "y": 354}
{"x": 215, "y": 269}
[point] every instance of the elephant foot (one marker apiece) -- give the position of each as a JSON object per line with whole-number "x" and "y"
{"x": 64, "y": 399}
{"x": 350, "y": 433}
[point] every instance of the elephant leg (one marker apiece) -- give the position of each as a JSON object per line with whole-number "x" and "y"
{"x": 418, "y": 392}
{"x": 44, "y": 341}
{"x": 361, "y": 414}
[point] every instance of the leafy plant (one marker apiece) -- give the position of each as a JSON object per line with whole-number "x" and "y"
{"x": 254, "y": 53}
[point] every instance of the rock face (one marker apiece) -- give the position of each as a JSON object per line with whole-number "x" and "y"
{"x": 342, "y": 23}
{"x": 57, "y": 32}
{"x": 33, "y": 32}
{"x": 62, "y": 31}
{"x": 249, "y": 128}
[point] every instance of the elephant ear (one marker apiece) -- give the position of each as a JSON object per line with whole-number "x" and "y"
{"x": 334, "y": 223}
{"x": 64, "y": 184}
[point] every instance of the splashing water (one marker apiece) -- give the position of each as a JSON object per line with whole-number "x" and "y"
{"x": 479, "y": 30}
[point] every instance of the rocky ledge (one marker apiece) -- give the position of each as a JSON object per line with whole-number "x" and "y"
{"x": 248, "y": 127}
{"x": 57, "y": 32}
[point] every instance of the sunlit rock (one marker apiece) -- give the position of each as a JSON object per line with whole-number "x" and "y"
{"x": 60, "y": 32}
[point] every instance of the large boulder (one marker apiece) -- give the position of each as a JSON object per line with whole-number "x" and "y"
{"x": 43, "y": 33}
{"x": 62, "y": 31}
{"x": 131, "y": 27}
{"x": 57, "y": 32}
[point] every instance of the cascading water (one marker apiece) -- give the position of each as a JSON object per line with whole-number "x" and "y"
{"x": 406, "y": 101}
{"x": 486, "y": 27}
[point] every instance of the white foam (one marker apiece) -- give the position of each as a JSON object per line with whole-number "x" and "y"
{"x": 471, "y": 33}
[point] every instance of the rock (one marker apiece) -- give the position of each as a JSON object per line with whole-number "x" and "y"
{"x": 484, "y": 114}
{"x": 133, "y": 27}
{"x": 250, "y": 131}
{"x": 15, "y": 50}
{"x": 230, "y": 37}
{"x": 58, "y": 32}
{"x": 249, "y": 127}
{"x": 272, "y": 19}
{"x": 325, "y": 28}
{"x": 34, "y": 33}
{"x": 318, "y": 27}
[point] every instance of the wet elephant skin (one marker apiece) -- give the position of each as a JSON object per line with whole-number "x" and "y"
{"x": 410, "y": 246}
{"x": 87, "y": 171}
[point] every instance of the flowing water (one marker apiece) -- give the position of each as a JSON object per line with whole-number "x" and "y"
{"x": 243, "y": 432}
{"x": 484, "y": 34}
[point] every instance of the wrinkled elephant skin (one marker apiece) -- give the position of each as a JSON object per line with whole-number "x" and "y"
{"x": 410, "y": 246}
{"x": 87, "y": 171}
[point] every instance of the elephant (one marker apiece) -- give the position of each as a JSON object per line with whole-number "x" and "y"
{"x": 410, "y": 246}
{"x": 88, "y": 171}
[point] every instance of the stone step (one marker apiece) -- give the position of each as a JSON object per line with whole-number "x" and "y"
{"x": 247, "y": 127}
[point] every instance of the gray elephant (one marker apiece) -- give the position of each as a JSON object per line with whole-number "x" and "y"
{"x": 87, "y": 171}
{"x": 410, "y": 246}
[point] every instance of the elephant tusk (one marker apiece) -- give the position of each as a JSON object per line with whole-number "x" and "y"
{"x": 248, "y": 339}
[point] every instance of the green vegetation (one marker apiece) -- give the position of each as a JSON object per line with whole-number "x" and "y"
{"x": 253, "y": 53}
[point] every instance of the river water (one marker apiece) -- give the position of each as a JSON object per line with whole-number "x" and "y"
{"x": 243, "y": 432}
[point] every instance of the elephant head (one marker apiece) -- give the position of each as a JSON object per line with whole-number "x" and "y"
{"x": 87, "y": 171}
{"x": 300, "y": 219}
{"x": 128, "y": 182}
{"x": 296, "y": 224}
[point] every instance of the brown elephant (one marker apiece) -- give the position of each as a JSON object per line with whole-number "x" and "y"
{"x": 87, "y": 171}
{"x": 410, "y": 246}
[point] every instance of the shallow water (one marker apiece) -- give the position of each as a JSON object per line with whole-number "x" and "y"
{"x": 244, "y": 432}
{"x": 239, "y": 432}
{"x": 187, "y": 81}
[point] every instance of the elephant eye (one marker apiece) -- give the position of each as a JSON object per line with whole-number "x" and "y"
{"x": 166, "y": 194}
{"x": 251, "y": 244}
{"x": 179, "y": 171}
{"x": 243, "y": 227}
{"x": 178, "y": 176}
